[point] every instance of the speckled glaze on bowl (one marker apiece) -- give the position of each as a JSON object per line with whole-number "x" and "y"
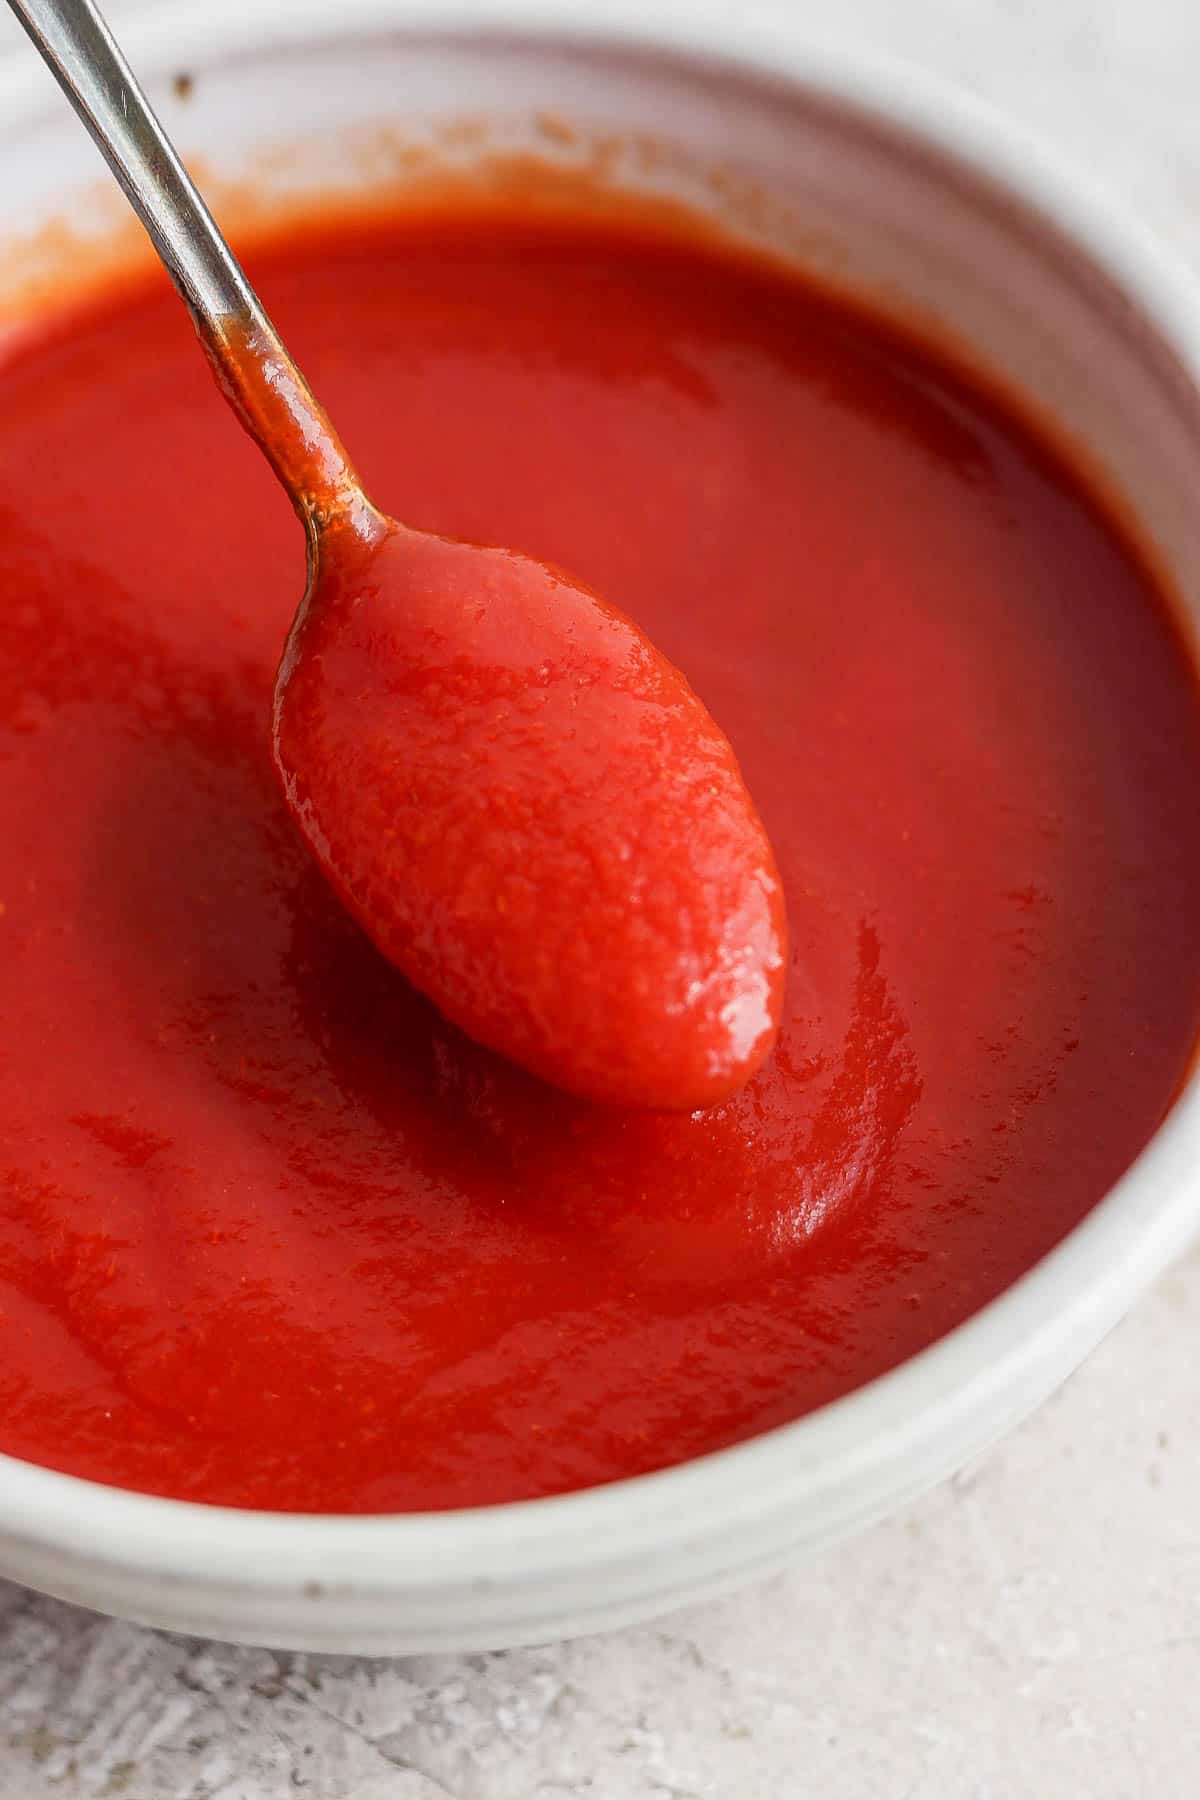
{"x": 901, "y": 191}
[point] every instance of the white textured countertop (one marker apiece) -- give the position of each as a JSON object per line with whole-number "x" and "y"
{"x": 1029, "y": 1632}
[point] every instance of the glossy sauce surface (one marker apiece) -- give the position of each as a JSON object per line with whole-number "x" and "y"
{"x": 271, "y": 1232}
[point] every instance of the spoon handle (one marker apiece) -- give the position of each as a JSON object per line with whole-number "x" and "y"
{"x": 79, "y": 48}
{"x": 252, "y": 367}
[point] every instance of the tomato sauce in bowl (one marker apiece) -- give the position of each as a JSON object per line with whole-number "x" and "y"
{"x": 274, "y": 1234}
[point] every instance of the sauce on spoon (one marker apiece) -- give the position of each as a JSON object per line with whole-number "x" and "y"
{"x": 532, "y": 815}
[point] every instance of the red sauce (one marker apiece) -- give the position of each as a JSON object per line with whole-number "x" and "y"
{"x": 274, "y": 1233}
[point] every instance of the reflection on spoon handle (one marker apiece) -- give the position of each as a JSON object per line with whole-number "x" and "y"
{"x": 77, "y": 45}
{"x": 253, "y": 368}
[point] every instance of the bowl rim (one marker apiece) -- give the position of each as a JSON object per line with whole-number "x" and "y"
{"x": 1075, "y": 1293}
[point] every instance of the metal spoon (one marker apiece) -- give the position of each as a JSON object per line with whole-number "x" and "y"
{"x": 521, "y": 801}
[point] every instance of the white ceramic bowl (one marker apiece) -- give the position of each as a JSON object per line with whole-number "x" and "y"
{"x": 897, "y": 189}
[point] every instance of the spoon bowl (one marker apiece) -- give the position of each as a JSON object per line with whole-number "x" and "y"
{"x": 531, "y": 814}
